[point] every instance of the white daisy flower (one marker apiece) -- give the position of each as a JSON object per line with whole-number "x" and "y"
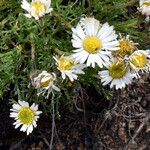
{"x": 126, "y": 47}
{"x": 140, "y": 61}
{"x": 93, "y": 42}
{"x": 25, "y": 115}
{"x": 145, "y": 8}
{"x": 37, "y": 8}
{"x": 68, "y": 67}
{"x": 44, "y": 82}
{"x": 118, "y": 75}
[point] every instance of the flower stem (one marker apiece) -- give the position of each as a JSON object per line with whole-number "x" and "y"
{"x": 53, "y": 122}
{"x": 33, "y": 58}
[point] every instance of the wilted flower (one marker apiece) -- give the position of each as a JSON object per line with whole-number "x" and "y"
{"x": 140, "y": 61}
{"x": 44, "y": 82}
{"x": 68, "y": 67}
{"x": 37, "y": 8}
{"x": 127, "y": 47}
{"x": 25, "y": 115}
{"x": 93, "y": 42}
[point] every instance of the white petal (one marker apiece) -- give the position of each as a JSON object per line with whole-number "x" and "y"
{"x": 111, "y": 48}
{"x": 34, "y": 124}
{"x": 24, "y": 128}
{"x": 29, "y": 129}
{"x": 14, "y": 110}
{"x": 103, "y": 29}
{"x": 90, "y": 60}
{"x": 90, "y": 28}
{"x": 78, "y": 50}
{"x": 76, "y": 44}
{"x": 76, "y": 38}
{"x": 110, "y": 38}
{"x": 49, "y": 10}
{"x": 71, "y": 76}
{"x": 38, "y": 112}
{"x": 17, "y": 125}
{"x": 28, "y": 15}
{"x": 55, "y": 88}
{"x": 63, "y": 75}
{"x": 113, "y": 43}
{"x": 99, "y": 61}
{"x": 81, "y": 56}
{"x": 106, "y": 33}
{"x": 25, "y": 5}
{"x": 79, "y": 31}
{"x": 23, "y": 103}
{"x": 103, "y": 73}
{"x": 78, "y": 71}
{"x": 48, "y": 3}
{"x": 14, "y": 115}
{"x": 33, "y": 107}
{"x": 16, "y": 122}
{"x": 16, "y": 106}
{"x": 107, "y": 80}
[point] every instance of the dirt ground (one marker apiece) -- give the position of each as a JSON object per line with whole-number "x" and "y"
{"x": 94, "y": 124}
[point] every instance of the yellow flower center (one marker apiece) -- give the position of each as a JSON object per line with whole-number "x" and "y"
{"x": 92, "y": 44}
{"x": 118, "y": 69}
{"x": 139, "y": 60}
{"x": 26, "y": 116}
{"x": 45, "y": 81}
{"x": 146, "y": 3}
{"x": 126, "y": 48}
{"x": 39, "y": 7}
{"x": 66, "y": 63}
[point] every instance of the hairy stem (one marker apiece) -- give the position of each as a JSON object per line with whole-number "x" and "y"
{"x": 33, "y": 57}
{"x": 53, "y": 122}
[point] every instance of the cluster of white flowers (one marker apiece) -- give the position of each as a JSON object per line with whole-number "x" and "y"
{"x": 95, "y": 44}
{"x": 98, "y": 44}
